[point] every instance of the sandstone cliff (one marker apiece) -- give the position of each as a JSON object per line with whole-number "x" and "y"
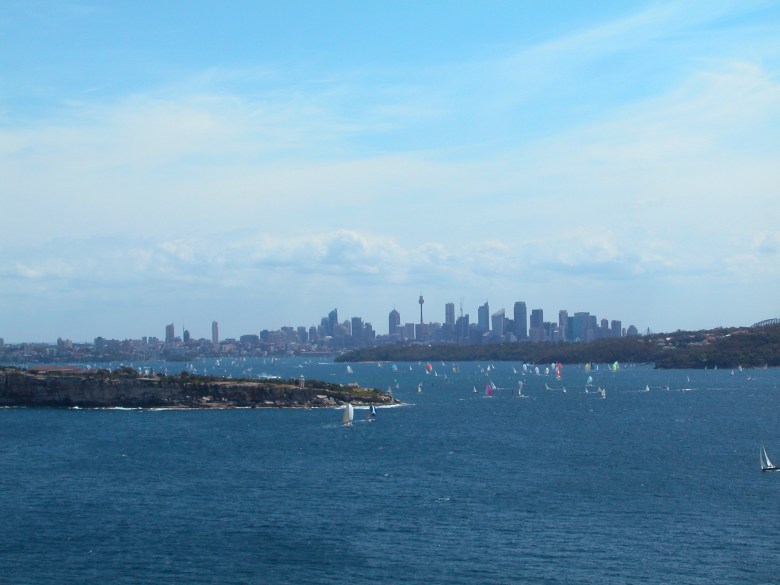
{"x": 69, "y": 387}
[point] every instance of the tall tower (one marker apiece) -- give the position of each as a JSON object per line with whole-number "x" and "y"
{"x": 214, "y": 332}
{"x": 421, "y": 301}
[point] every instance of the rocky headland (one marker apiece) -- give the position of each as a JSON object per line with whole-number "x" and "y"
{"x": 68, "y": 387}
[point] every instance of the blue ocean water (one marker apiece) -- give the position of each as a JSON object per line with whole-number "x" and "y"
{"x": 453, "y": 487}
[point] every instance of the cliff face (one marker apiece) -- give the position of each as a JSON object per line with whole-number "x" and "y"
{"x": 101, "y": 389}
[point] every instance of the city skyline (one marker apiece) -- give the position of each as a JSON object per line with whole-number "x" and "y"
{"x": 257, "y": 163}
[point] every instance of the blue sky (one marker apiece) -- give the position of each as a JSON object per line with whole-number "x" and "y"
{"x": 260, "y": 163}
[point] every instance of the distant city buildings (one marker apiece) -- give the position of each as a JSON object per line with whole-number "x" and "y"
{"x": 334, "y": 336}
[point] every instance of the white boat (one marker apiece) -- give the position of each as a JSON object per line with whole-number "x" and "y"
{"x": 348, "y": 413}
{"x": 371, "y": 413}
{"x": 766, "y": 464}
{"x": 419, "y": 388}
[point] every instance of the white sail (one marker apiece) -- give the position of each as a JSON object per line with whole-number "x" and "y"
{"x": 349, "y": 370}
{"x": 348, "y": 412}
{"x": 765, "y": 462}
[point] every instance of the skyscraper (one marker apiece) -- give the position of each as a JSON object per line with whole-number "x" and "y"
{"x": 536, "y": 325}
{"x": 498, "y": 322}
{"x": 563, "y": 324}
{"x": 214, "y": 332}
{"x": 357, "y": 328}
{"x": 483, "y": 317}
{"x": 449, "y": 314}
{"x": 521, "y": 320}
{"x": 394, "y": 322}
{"x": 581, "y": 324}
{"x": 333, "y": 320}
{"x": 170, "y": 334}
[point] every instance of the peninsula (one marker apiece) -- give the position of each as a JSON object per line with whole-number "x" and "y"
{"x": 716, "y": 348}
{"x": 65, "y": 386}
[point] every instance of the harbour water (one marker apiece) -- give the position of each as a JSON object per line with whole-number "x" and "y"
{"x": 658, "y": 486}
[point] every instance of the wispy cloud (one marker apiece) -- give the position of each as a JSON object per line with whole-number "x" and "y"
{"x": 636, "y": 152}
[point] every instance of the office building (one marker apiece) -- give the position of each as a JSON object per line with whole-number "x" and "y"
{"x": 497, "y": 320}
{"x": 449, "y": 314}
{"x": 332, "y": 323}
{"x": 521, "y": 321}
{"x": 394, "y": 322}
{"x": 483, "y": 317}
{"x": 563, "y": 324}
{"x": 357, "y": 328}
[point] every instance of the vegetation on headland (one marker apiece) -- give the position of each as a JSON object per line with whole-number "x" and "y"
{"x": 57, "y": 386}
{"x": 722, "y": 348}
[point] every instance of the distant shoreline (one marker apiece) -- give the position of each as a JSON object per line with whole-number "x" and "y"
{"x": 720, "y": 348}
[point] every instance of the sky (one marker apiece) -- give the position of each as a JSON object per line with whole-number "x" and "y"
{"x": 261, "y": 163}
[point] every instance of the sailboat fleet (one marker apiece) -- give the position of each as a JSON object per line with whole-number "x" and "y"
{"x": 552, "y": 371}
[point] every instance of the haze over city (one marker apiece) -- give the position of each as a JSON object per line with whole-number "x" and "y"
{"x": 259, "y": 163}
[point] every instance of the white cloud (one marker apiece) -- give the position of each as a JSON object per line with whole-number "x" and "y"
{"x": 461, "y": 180}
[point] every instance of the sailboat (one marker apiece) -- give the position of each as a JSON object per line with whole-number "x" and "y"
{"x": 766, "y": 464}
{"x": 348, "y": 413}
{"x": 372, "y": 413}
{"x": 419, "y": 388}
{"x": 349, "y": 370}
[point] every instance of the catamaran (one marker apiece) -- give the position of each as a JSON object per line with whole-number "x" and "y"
{"x": 766, "y": 464}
